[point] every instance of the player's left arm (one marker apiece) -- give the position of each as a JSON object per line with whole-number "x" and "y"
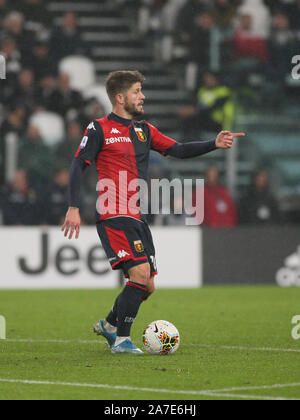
{"x": 224, "y": 140}
{"x": 168, "y": 146}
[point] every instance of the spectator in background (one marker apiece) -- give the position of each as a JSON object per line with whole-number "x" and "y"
{"x": 14, "y": 27}
{"x": 40, "y": 61}
{"x": 65, "y": 150}
{"x": 214, "y": 110}
{"x": 283, "y": 6}
{"x": 8, "y": 48}
{"x": 4, "y": 10}
{"x": 259, "y": 206}
{"x": 14, "y": 122}
{"x": 219, "y": 208}
{"x": 200, "y": 44}
{"x": 56, "y": 198}
{"x": 64, "y": 100}
{"x": 25, "y": 90}
{"x": 170, "y": 12}
{"x": 36, "y": 157}
{"x": 34, "y": 12}
{"x": 281, "y": 47}
{"x": 294, "y": 15}
{"x": 156, "y": 13}
{"x": 66, "y": 40}
{"x": 47, "y": 85}
{"x": 260, "y": 17}
{"x": 194, "y": 33}
{"x": 91, "y": 111}
{"x": 19, "y": 202}
{"x": 247, "y": 44}
{"x": 224, "y": 12}
{"x": 185, "y": 19}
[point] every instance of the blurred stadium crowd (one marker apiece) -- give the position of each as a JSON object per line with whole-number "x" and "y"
{"x": 260, "y": 35}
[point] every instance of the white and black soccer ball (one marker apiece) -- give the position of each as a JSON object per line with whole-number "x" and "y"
{"x": 161, "y": 337}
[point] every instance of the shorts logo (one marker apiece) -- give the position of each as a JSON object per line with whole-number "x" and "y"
{"x": 84, "y": 142}
{"x": 139, "y": 247}
{"x": 141, "y": 135}
{"x": 123, "y": 254}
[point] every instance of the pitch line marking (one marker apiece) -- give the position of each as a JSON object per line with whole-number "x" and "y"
{"x": 241, "y": 348}
{"x": 244, "y": 348}
{"x": 260, "y": 387}
{"x": 53, "y": 341}
{"x": 208, "y": 393}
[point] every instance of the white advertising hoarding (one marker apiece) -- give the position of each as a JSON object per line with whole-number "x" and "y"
{"x": 178, "y": 256}
{"x": 41, "y": 258}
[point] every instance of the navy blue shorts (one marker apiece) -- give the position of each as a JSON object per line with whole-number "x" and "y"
{"x": 127, "y": 243}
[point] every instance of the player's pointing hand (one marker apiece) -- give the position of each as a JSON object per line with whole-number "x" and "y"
{"x": 72, "y": 223}
{"x": 225, "y": 139}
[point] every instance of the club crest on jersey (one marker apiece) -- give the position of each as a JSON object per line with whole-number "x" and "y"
{"x": 84, "y": 142}
{"x": 138, "y": 245}
{"x": 141, "y": 135}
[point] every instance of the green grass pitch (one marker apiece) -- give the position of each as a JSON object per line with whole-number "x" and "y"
{"x": 236, "y": 343}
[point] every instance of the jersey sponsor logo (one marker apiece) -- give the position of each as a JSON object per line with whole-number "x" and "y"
{"x": 113, "y": 140}
{"x": 138, "y": 245}
{"x": 84, "y": 142}
{"x": 92, "y": 126}
{"x": 141, "y": 135}
{"x": 115, "y": 131}
{"x": 123, "y": 254}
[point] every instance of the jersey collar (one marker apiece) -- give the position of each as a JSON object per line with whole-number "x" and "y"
{"x": 120, "y": 120}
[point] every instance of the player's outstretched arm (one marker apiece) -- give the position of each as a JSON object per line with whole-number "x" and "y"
{"x": 72, "y": 223}
{"x": 198, "y": 148}
{"x": 225, "y": 139}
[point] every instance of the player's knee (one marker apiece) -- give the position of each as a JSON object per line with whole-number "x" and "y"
{"x": 140, "y": 274}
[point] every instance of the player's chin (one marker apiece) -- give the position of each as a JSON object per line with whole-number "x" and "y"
{"x": 139, "y": 111}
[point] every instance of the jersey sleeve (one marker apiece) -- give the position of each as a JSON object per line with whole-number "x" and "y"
{"x": 160, "y": 142}
{"x": 91, "y": 144}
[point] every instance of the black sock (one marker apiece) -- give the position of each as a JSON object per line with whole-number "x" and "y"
{"x": 128, "y": 305}
{"x": 112, "y": 316}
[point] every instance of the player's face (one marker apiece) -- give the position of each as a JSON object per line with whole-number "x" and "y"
{"x": 134, "y": 100}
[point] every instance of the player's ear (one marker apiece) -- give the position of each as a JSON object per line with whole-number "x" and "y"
{"x": 120, "y": 99}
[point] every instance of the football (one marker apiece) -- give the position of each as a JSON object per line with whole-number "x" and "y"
{"x": 161, "y": 337}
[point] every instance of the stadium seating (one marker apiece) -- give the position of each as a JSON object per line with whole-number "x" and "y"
{"x": 50, "y": 125}
{"x": 81, "y": 71}
{"x": 98, "y": 92}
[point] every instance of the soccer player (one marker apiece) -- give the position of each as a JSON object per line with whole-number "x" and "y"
{"x": 120, "y": 147}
